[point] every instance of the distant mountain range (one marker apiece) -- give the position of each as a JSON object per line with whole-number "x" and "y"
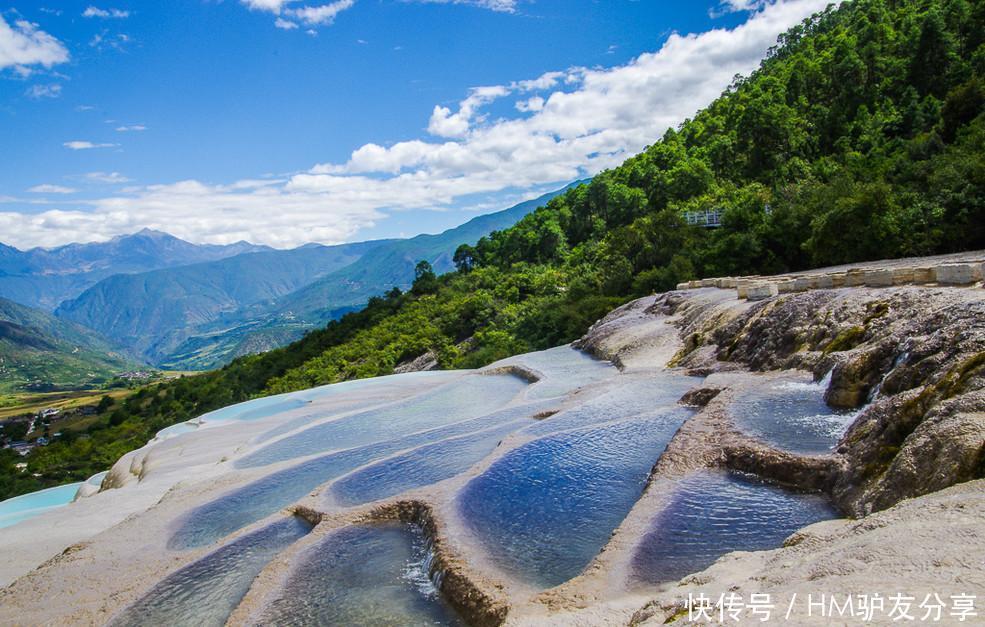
{"x": 184, "y": 306}
{"x": 45, "y": 277}
{"x": 152, "y": 312}
{"x": 40, "y": 352}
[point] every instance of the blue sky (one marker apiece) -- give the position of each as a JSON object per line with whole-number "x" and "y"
{"x": 282, "y": 122}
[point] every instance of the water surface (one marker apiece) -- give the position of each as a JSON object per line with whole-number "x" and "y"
{"x": 257, "y": 500}
{"x": 622, "y": 397}
{"x": 791, "y": 415}
{"x": 545, "y": 509}
{"x": 368, "y": 575}
{"x": 205, "y": 593}
{"x": 420, "y": 467}
{"x": 564, "y": 369}
{"x": 468, "y": 397}
{"x": 713, "y": 513}
{"x": 25, "y": 506}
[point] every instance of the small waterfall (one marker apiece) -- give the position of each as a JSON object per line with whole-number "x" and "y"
{"x": 876, "y": 390}
{"x": 424, "y": 572}
{"x": 826, "y": 380}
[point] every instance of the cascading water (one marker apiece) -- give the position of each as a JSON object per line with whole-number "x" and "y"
{"x": 362, "y": 575}
{"x": 792, "y": 415}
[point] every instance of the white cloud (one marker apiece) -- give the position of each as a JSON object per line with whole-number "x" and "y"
{"x": 321, "y": 15}
{"x": 106, "y": 177}
{"x": 47, "y": 188}
{"x": 197, "y": 212}
{"x": 37, "y": 92}
{"x": 590, "y": 119}
{"x": 84, "y": 145}
{"x": 309, "y": 15}
{"x": 131, "y": 128}
{"x": 531, "y": 104}
{"x": 444, "y": 123}
{"x": 274, "y": 6}
{"x": 92, "y": 11}
{"x": 23, "y": 45}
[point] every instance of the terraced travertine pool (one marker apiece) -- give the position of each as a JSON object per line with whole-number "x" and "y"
{"x": 205, "y": 592}
{"x": 536, "y": 476}
{"x": 791, "y": 415}
{"x": 362, "y": 575}
{"x": 713, "y": 513}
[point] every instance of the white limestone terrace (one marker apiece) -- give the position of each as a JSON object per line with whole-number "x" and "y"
{"x": 192, "y": 457}
{"x": 488, "y": 476}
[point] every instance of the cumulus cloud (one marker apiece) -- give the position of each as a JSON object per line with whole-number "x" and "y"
{"x": 585, "y": 120}
{"x": 47, "y": 188}
{"x": 84, "y": 145}
{"x": 321, "y": 15}
{"x": 289, "y": 14}
{"x": 92, "y": 11}
{"x": 24, "y": 44}
{"x": 444, "y": 123}
{"x": 531, "y": 104}
{"x": 197, "y": 212}
{"x": 131, "y": 128}
{"x": 273, "y": 6}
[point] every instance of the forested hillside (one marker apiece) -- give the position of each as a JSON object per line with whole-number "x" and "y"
{"x": 861, "y": 136}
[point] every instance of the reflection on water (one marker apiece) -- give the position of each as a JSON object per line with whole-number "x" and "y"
{"x": 545, "y": 509}
{"x": 713, "y": 513}
{"x": 420, "y": 467}
{"x": 243, "y": 506}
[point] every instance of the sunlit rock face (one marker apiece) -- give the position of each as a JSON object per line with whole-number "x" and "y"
{"x": 541, "y": 487}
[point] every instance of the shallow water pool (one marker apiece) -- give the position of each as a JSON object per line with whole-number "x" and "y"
{"x": 25, "y": 506}
{"x": 564, "y": 369}
{"x": 713, "y": 513}
{"x": 791, "y": 415}
{"x": 545, "y": 509}
{"x": 206, "y": 592}
{"x": 372, "y": 575}
{"x": 467, "y": 397}
{"x": 243, "y": 506}
{"x": 626, "y": 396}
{"x": 419, "y": 467}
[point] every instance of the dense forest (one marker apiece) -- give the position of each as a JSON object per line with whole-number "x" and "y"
{"x": 861, "y": 136}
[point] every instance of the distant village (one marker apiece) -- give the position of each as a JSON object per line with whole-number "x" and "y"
{"x": 25, "y": 432}
{"x": 16, "y": 431}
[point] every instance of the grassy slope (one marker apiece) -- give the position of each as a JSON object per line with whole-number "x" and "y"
{"x": 39, "y": 351}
